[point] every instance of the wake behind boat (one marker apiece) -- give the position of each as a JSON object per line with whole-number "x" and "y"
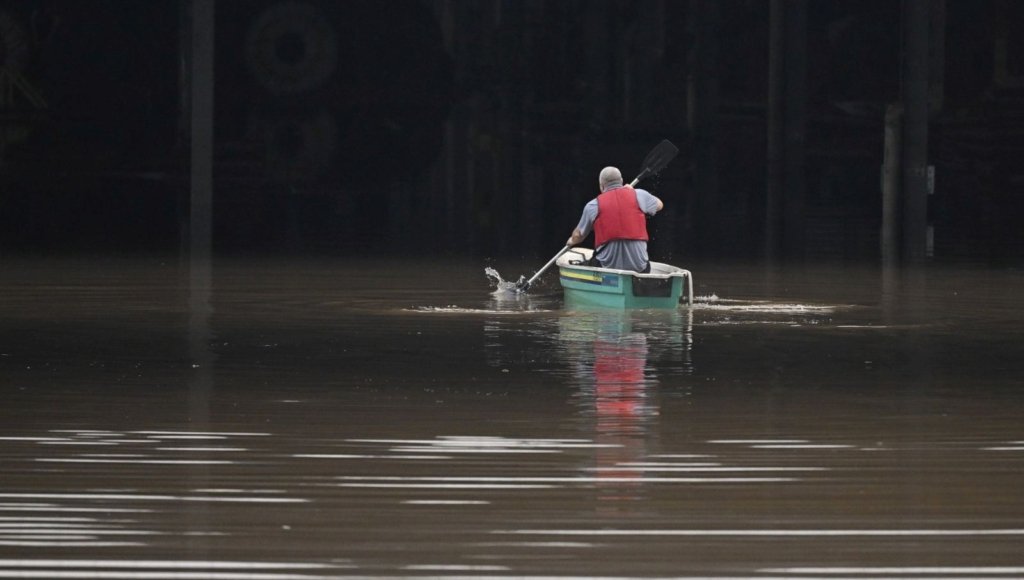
{"x": 591, "y": 286}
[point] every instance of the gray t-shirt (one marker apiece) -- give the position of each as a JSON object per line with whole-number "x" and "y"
{"x": 620, "y": 254}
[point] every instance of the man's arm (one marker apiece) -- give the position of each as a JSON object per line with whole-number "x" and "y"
{"x": 586, "y": 223}
{"x": 576, "y": 238}
{"x": 649, "y": 203}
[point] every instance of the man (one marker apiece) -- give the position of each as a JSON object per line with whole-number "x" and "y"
{"x": 618, "y": 217}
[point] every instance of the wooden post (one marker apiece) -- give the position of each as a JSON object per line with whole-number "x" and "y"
{"x": 774, "y": 188}
{"x": 915, "y": 132}
{"x": 444, "y": 218}
{"x": 891, "y": 164}
{"x": 201, "y": 129}
{"x": 937, "y": 55}
{"x": 199, "y": 69}
{"x": 795, "y": 113}
{"x": 703, "y": 120}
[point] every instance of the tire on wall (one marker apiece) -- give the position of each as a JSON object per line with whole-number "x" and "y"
{"x": 291, "y": 48}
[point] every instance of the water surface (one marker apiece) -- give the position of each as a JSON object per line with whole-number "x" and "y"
{"x": 323, "y": 419}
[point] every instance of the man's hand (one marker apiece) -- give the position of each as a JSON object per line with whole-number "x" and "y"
{"x": 575, "y": 238}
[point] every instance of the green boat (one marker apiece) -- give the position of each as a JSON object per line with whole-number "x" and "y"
{"x": 589, "y": 286}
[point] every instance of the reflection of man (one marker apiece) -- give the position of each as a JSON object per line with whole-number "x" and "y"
{"x": 619, "y": 378}
{"x": 618, "y": 216}
{"x": 622, "y": 411}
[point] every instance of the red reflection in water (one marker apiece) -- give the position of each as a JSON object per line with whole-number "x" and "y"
{"x": 614, "y": 391}
{"x": 619, "y": 389}
{"x": 621, "y": 408}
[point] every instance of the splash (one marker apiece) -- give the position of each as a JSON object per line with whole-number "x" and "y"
{"x": 502, "y": 286}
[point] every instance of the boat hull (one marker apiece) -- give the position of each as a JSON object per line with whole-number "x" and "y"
{"x": 591, "y": 287}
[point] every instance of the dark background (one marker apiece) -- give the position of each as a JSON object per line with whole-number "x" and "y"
{"x": 478, "y": 128}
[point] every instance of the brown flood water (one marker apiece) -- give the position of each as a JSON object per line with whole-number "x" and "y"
{"x": 282, "y": 420}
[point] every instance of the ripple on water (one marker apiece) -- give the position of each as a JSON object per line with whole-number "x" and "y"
{"x": 460, "y": 310}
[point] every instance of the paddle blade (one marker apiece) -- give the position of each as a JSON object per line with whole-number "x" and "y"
{"x": 659, "y": 158}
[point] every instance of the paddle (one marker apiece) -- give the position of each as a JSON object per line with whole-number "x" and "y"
{"x": 659, "y": 157}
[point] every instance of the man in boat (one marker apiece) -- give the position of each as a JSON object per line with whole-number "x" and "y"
{"x": 618, "y": 216}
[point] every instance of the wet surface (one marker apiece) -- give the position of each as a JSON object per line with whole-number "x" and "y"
{"x": 355, "y": 419}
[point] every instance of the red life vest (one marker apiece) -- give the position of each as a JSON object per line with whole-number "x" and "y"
{"x": 619, "y": 217}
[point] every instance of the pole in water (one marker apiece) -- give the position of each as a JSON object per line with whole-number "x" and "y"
{"x": 524, "y": 286}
